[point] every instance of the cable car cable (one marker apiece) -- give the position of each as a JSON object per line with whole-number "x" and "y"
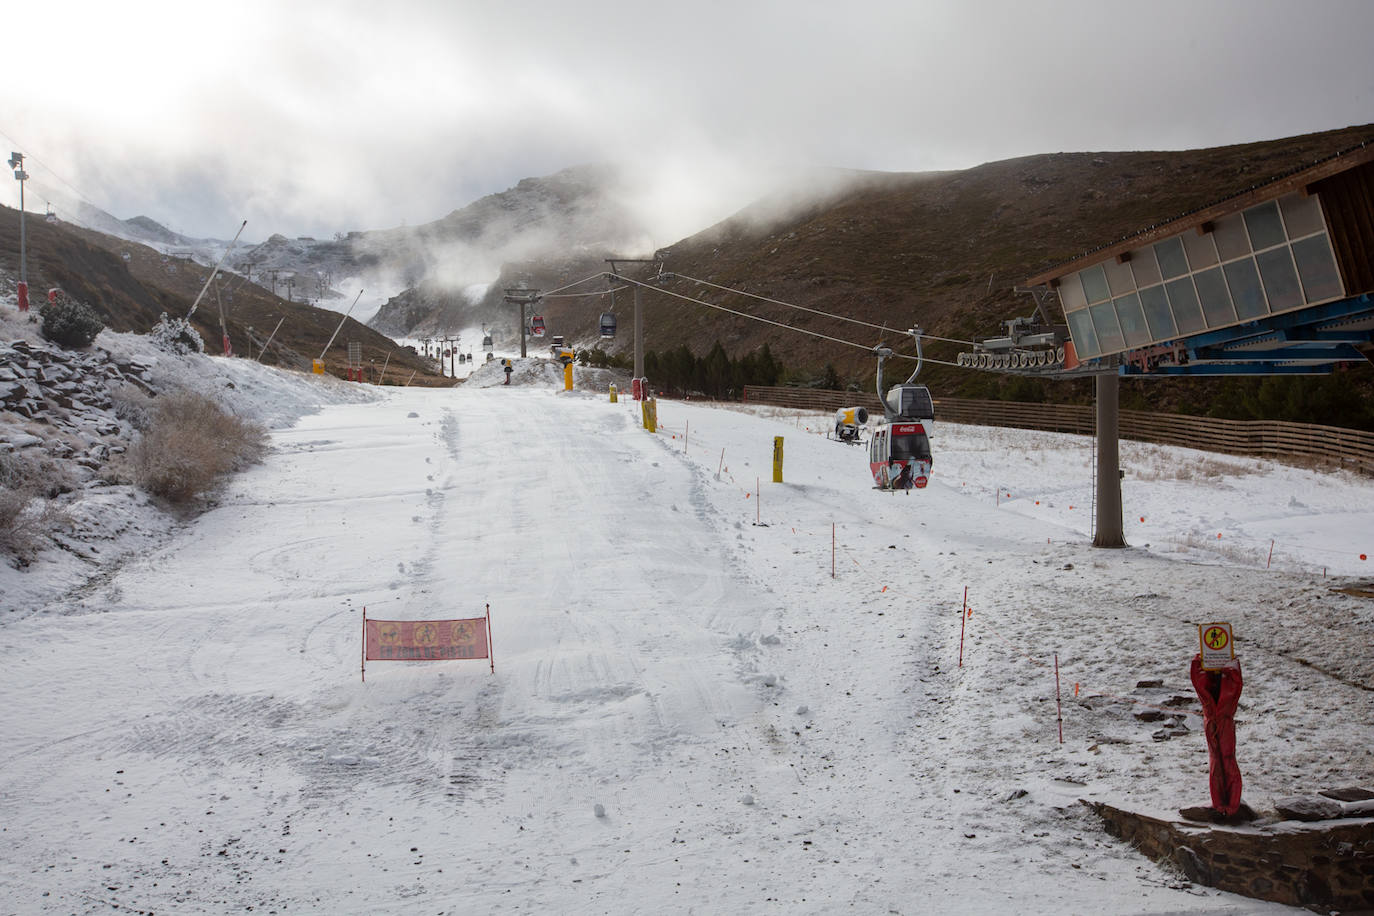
{"x": 596, "y": 276}
{"x": 600, "y": 292}
{"x": 866, "y": 347}
{"x": 804, "y": 308}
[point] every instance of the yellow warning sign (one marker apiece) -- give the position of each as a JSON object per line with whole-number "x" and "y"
{"x": 1217, "y": 644}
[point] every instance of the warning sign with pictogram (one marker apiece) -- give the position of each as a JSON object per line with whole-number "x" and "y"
{"x": 1217, "y": 645}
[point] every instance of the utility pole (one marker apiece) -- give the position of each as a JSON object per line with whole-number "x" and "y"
{"x": 17, "y": 163}
{"x": 290, "y": 282}
{"x": 274, "y": 281}
{"x": 522, "y": 297}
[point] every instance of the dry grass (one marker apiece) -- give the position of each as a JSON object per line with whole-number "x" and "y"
{"x": 189, "y": 444}
{"x": 28, "y": 515}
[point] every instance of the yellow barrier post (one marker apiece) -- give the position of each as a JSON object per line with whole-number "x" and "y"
{"x": 566, "y": 358}
{"x": 777, "y": 459}
{"x": 650, "y": 409}
{"x": 317, "y": 366}
{"x": 613, "y": 395}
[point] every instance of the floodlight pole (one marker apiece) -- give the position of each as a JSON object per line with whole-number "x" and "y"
{"x": 17, "y": 163}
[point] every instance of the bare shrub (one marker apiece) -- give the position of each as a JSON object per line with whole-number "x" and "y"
{"x": 28, "y": 517}
{"x": 189, "y": 444}
{"x": 131, "y": 404}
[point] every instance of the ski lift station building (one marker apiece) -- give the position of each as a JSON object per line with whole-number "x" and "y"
{"x": 1275, "y": 279}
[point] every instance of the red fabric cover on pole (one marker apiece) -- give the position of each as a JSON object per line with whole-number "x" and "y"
{"x": 1219, "y": 692}
{"x": 23, "y": 297}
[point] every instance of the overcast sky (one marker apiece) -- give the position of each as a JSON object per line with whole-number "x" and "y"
{"x": 308, "y": 117}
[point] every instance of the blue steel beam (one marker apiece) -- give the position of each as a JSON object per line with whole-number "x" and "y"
{"x": 1231, "y": 369}
{"x": 1339, "y": 353}
{"x": 1223, "y": 352}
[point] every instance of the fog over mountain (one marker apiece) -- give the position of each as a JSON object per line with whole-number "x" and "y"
{"x": 309, "y": 119}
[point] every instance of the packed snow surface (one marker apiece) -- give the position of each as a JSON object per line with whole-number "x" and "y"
{"x": 699, "y": 704}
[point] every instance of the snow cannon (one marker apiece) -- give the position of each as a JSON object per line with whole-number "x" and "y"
{"x": 847, "y": 423}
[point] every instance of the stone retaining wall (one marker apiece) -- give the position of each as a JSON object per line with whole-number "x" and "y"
{"x": 1324, "y": 866}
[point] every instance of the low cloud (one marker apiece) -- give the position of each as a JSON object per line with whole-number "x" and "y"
{"x": 312, "y": 118}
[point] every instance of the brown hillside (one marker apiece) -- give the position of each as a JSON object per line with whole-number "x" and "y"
{"x": 131, "y": 295}
{"x": 939, "y": 250}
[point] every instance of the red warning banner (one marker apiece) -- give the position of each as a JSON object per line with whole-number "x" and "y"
{"x": 425, "y": 640}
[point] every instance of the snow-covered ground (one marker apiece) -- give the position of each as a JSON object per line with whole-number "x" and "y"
{"x": 690, "y": 712}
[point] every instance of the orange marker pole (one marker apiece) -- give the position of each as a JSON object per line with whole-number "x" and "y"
{"x": 364, "y": 649}
{"x": 1271, "y": 554}
{"x": 963, "y": 618}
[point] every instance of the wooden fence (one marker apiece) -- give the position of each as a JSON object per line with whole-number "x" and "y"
{"x": 1347, "y": 448}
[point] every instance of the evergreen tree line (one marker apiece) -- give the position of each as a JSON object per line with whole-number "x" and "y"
{"x": 680, "y": 373}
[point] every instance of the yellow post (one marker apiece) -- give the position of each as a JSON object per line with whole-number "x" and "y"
{"x": 613, "y": 395}
{"x": 567, "y": 377}
{"x": 317, "y": 366}
{"x": 777, "y": 459}
{"x": 650, "y": 410}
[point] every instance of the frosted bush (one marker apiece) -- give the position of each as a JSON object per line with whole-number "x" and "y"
{"x": 176, "y": 335}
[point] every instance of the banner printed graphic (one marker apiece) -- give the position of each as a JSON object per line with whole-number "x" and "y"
{"x": 426, "y": 640}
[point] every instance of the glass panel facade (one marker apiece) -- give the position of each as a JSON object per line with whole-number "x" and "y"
{"x": 1183, "y": 301}
{"x": 1202, "y": 251}
{"x": 1317, "y": 268}
{"x": 1280, "y": 279}
{"x": 1108, "y": 329}
{"x": 1119, "y": 277}
{"x": 1157, "y": 314}
{"x": 1232, "y": 242}
{"x": 1172, "y": 262}
{"x": 1216, "y": 300}
{"x": 1095, "y": 284}
{"x": 1195, "y": 281}
{"x": 1084, "y": 337}
{"x": 1246, "y": 294}
{"x": 1266, "y": 229}
{"x": 1145, "y": 268}
{"x": 1071, "y": 293}
{"x": 1132, "y": 320}
{"x": 1301, "y": 215}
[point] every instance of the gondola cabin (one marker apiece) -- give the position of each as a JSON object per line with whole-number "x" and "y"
{"x": 607, "y": 325}
{"x": 910, "y": 402}
{"x": 899, "y": 455}
{"x": 486, "y": 340}
{"x": 537, "y": 326}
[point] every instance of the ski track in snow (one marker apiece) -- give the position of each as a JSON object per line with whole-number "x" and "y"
{"x": 192, "y": 736}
